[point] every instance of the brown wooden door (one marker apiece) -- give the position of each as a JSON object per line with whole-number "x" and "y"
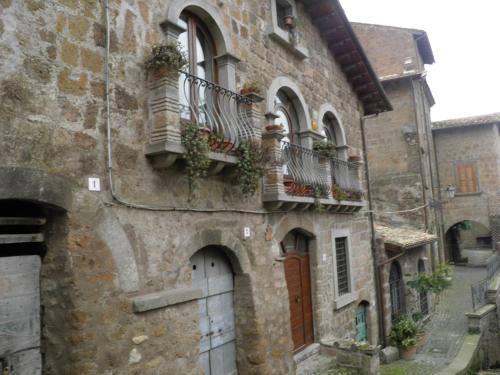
{"x": 299, "y": 294}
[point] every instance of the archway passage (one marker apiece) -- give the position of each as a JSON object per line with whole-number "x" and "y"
{"x": 21, "y": 248}
{"x": 468, "y": 239}
{"x": 212, "y": 273}
{"x": 298, "y": 281}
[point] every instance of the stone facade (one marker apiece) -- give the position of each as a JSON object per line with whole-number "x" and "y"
{"x": 400, "y": 151}
{"x": 108, "y": 248}
{"x": 473, "y": 140}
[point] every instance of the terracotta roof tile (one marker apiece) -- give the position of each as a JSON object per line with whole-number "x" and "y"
{"x": 467, "y": 121}
{"x": 405, "y": 238}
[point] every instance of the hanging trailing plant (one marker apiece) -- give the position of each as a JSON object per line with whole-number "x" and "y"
{"x": 196, "y": 154}
{"x": 327, "y": 149}
{"x": 249, "y": 170}
{"x": 168, "y": 55}
{"x": 317, "y": 194}
{"x": 435, "y": 283}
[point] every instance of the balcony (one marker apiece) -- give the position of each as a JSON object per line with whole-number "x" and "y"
{"x": 299, "y": 178}
{"x": 227, "y": 118}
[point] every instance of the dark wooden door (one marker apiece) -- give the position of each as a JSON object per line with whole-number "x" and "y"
{"x": 299, "y": 294}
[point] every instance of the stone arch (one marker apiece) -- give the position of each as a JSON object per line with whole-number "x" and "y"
{"x": 289, "y": 223}
{"x": 34, "y": 185}
{"x": 229, "y": 244}
{"x": 293, "y": 91}
{"x": 328, "y": 109}
{"x": 210, "y": 15}
{"x": 458, "y": 221}
{"x": 461, "y": 242}
{"x": 214, "y": 21}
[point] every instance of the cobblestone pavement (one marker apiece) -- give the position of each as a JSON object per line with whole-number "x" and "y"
{"x": 446, "y": 329}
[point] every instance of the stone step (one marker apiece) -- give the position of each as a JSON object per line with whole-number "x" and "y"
{"x": 317, "y": 364}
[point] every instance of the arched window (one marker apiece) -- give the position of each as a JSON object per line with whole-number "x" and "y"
{"x": 295, "y": 242}
{"x": 199, "y": 47}
{"x": 424, "y": 303}
{"x": 331, "y": 128}
{"x": 287, "y": 117}
{"x": 396, "y": 290}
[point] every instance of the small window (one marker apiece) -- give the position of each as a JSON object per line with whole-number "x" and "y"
{"x": 344, "y": 290}
{"x": 342, "y": 265}
{"x": 283, "y": 9}
{"x": 466, "y": 175}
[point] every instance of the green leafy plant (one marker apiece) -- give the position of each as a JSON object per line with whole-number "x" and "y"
{"x": 249, "y": 170}
{"x": 435, "y": 283}
{"x": 404, "y": 332}
{"x": 196, "y": 154}
{"x": 317, "y": 194}
{"x": 339, "y": 194}
{"x": 326, "y": 149}
{"x": 168, "y": 55}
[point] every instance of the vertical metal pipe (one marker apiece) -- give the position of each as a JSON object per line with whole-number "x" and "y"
{"x": 376, "y": 274}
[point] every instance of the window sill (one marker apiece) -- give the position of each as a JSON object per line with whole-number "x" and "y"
{"x": 282, "y": 37}
{"x": 468, "y": 194}
{"x": 345, "y": 300}
{"x": 164, "y": 155}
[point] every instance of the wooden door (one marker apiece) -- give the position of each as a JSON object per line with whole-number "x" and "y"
{"x": 20, "y": 314}
{"x": 361, "y": 334}
{"x": 299, "y": 295}
{"x": 213, "y": 274}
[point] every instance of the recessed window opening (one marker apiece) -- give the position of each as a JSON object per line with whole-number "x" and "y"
{"x": 287, "y": 117}
{"x": 194, "y": 99}
{"x": 283, "y": 9}
{"x": 342, "y": 265}
{"x": 295, "y": 241}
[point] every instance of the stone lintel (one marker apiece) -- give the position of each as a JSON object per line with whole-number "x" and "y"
{"x": 165, "y": 298}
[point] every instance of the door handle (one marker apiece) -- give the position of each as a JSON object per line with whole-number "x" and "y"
{"x": 297, "y": 299}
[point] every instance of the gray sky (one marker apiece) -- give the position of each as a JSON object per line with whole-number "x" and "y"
{"x": 465, "y": 39}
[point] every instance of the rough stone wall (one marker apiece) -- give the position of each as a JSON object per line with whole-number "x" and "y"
{"x": 477, "y": 144}
{"x": 409, "y": 269}
{"x": 388, "y": 48}
{"x": 100, "y": 254}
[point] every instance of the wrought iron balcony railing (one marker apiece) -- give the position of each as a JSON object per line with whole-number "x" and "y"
{"x": 305, "y": 171}
{"x": 345, "y": 175}
{"x": 222, "y": 111}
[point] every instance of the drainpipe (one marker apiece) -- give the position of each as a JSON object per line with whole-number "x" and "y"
{"x": 378, "y": 286}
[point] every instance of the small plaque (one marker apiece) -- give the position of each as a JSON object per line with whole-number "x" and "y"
{"x": 94, "y": 184}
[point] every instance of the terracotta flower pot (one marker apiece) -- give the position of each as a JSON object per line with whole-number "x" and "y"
{"x": 408, "y": 353}
{"x": 288, "y": 20}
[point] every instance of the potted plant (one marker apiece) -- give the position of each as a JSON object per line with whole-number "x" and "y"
{"x": 326, "y": 149}
{"x": 166, "y": 60}
{"x": 404, "y": 335}
{"x": 250, "y": 88}
{"x": 288, "y": 21}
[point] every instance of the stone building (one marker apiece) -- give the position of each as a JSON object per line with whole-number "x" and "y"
{"x": 402, "y": 167}
{"x": 109, "y": 265}
{"x": 468, "y": 156}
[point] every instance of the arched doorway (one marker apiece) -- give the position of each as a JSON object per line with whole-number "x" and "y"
{"x": 295, "y": 247}
{"x": 22, "y": 246}
{"x": 396, "y": 290}
{"x": 212, "y": 273}
{"x": 424, "y": 301}
{"x": 468, "y": 241}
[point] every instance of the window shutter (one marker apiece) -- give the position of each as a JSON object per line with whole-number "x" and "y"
{"x": 467, "y": 178}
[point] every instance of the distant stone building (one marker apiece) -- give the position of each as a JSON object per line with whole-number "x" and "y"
{"x": 402, "y": 168}
{"x": 108, "y": 264}
{"x": 468, "y": 155}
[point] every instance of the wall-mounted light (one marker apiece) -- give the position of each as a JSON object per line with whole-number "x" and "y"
{"x": 450, "y": 191}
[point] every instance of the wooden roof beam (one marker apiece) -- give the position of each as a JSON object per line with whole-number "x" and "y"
{"x": 30, "y": 221}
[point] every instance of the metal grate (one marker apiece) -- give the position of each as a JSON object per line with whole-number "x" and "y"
{"x": 396, "y": 291}
{"x": 342, "y": 265}
{"x": 345, "y": 175}
{"x": 302, "y": 166}
{"x": 478, "y": 290}
{"x": 219, "y": 110}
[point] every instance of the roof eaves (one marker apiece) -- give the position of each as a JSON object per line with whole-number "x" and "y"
{"x": 369, "y": 88}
